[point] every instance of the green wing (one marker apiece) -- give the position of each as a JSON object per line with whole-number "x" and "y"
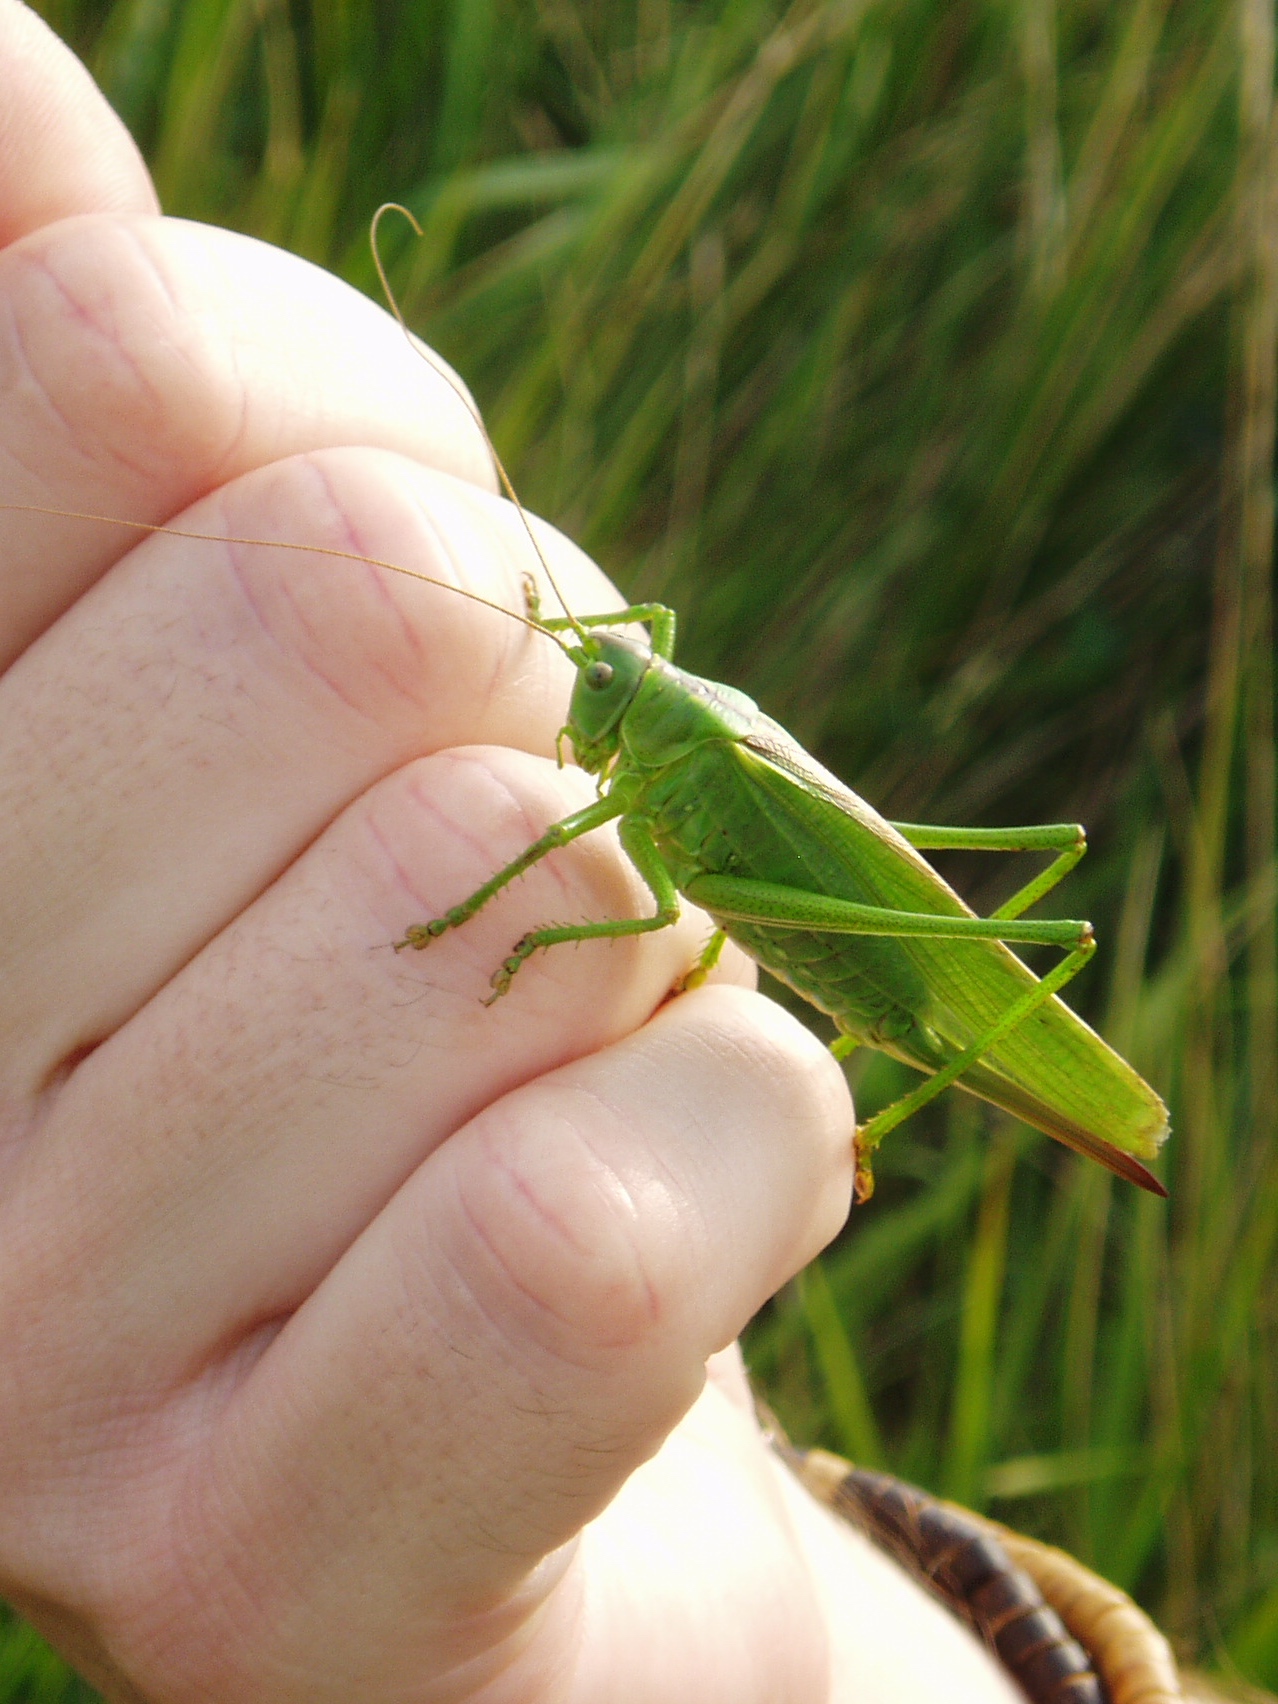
{"x": 1053, "y": 1070}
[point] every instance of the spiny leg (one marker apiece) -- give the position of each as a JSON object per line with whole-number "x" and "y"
{"x": 768, "y": 902}
{"x": 641, "y": 849}
{"x": 1067, "y": 838}
{"x": 872, "y": 1132}
{"x": 764, "y": 902}
{"x": 711, "y": 953}
{"x": 420, "y": 935}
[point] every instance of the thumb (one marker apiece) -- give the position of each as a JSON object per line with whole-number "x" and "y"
{"x": 514, "y": 1335}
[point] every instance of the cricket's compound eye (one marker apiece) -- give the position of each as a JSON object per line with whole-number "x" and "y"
{"x": 599, "y": 675}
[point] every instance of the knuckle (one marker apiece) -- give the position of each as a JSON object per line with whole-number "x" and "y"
{"x": 361, "y": 615}
{"x": 339, "y": 620}
{"x": 574, "y": 1262}
{"x": 105, "y": 359}
{"x": 436, "y": 828}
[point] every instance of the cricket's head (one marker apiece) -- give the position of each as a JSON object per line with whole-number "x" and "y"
{"x": 610, "y": 667}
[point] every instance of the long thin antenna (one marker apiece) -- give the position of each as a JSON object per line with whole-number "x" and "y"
{"x": 286, "y": 544}
{"x": 429, "y": 357}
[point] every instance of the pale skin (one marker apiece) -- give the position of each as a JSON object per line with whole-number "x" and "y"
{"x": 360, "y": 1343}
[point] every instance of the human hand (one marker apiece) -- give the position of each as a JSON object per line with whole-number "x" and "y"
{"x": 355, "y": 1335}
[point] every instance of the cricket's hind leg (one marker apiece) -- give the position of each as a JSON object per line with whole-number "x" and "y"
{"x": 1068, "y": 839}
{"x": 872, "y": 1132}
{"x": 767, "y": 903}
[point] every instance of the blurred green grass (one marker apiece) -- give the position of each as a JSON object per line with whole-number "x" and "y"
{"x": 921, "y": 352}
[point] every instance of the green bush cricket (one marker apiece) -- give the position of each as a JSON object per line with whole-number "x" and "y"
{"x": 716, "y": 802}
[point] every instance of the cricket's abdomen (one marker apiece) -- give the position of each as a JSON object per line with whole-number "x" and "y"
{"x": 708, "y": 818}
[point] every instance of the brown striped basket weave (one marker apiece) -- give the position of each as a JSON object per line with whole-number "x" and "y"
{"x": 1065, "y": 1635}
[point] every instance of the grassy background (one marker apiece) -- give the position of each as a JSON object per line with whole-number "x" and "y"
{"x": 921, "y": 352}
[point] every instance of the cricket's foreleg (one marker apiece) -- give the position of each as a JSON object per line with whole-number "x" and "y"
{"x": 571, "y": 828}
{"x": 642, "y": 851}
{"x": 1069, "y": 839}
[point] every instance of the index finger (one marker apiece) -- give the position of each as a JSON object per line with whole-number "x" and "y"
{"x": 145, "y": 362}
{"x": 62, "y": 150}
